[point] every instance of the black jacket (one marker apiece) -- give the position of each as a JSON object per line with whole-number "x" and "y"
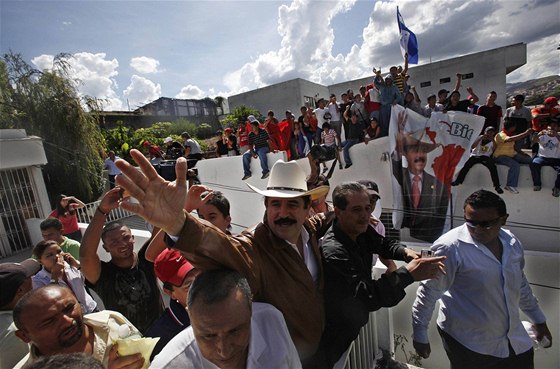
{"x": 350, "y": 292}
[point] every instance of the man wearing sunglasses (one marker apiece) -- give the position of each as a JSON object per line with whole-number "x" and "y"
{"x": 481, "y": 293}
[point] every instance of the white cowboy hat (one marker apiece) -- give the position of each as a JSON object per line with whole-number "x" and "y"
{"x": 420, "y": 138}
{"x": 287, "y": 180}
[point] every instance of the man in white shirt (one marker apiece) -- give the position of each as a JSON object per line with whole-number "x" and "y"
{"x": 336, "y": 115}
{"x": 320, "y": 115}
{"x": 481, "y": 293}
{"x": 110, "y": 166}
{"x": 227, "y": 330}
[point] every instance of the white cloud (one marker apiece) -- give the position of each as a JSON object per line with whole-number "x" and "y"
{"x": 43, "y": 62}
{"x": 540, "y": 61}
{"x": 141, "y": 91}
{"x": 96, "y": 76}
{"x": 443, "y": 31}
{"x": 145, "y": 65}
{"x": 191, "y": 92}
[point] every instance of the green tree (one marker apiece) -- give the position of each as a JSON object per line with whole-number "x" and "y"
{"x": 46, "y": 104}
{"x": 240, "y": 114}
{"x": 204, "y": 131}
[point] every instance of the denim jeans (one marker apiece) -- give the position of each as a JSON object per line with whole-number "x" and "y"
{"x": 540, "y": 161}
{"x": 346, "y": 149}
{"x": 513, "y": 163}
{"x": 261, "y": 152}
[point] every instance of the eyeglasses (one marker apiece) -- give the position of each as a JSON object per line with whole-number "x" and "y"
{"x": 487, "y": 224}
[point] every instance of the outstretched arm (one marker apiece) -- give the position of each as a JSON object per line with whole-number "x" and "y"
{"x": 471, "y": 92}
{"x": 89, "y": 260}
{"x": 458, "y": 83}
{"x": 405, "y": 69}
{"x": 160, "y": 202}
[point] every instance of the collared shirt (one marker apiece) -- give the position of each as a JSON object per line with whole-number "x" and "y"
{"x": 75, "y": 283}
{"x": 112, "y": 167}
{"x": 479, "y": 296}
{"x": 259, "y": 139}
{"x": 308, "y": 256}
{"x": 270, "y": 345}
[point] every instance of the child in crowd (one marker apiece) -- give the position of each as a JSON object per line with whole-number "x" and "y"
{"x": 61, "y": 268}
{"x": 330, "y": 139}
{"x": 481, "y": 153}
{"x": 373, "y": 131}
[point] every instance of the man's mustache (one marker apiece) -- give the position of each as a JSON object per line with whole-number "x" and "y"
{"x": 285, "y": 221}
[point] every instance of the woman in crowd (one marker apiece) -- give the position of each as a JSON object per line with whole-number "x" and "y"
{"x": 65, "y": 211}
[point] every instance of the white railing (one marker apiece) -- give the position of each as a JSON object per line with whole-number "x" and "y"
{"x": 364, "y": 351}
{"x": 86, "y": 213}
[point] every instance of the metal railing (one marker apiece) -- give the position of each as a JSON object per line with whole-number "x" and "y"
{"x": 364, "y": 351}
{"x": 86, "y": 213}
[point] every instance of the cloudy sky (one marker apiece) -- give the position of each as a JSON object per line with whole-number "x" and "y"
{"x": 132, "y": 52}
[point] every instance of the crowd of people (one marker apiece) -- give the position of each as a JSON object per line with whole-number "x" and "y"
{"x": 505, "y": 138}
{"x": 294, "y": 290}
{"x": 290, "y": 292}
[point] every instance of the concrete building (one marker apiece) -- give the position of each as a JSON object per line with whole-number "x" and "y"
{"x": 483, "y": 71}
{"x": 23, "y": 195}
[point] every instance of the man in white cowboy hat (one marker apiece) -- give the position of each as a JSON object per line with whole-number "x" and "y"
{"x": 279, "y": 257}
{"x": 425, "y": 198}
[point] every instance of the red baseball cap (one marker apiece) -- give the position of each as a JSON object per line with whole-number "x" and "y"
{"x": 551, "y": 100}
{"x": 171, "y": 267}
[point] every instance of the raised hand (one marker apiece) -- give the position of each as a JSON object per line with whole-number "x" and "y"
{"x": 194, "y": 199}
{"x": 111, "y": 200}
{"x": 160, "y": 202}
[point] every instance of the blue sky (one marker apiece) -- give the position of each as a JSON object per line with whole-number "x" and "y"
{"x": 132, "y": 52}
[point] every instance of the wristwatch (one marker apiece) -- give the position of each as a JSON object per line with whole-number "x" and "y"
{"x": 54, "y": 281}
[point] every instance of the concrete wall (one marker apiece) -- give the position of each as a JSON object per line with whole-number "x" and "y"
{"x": 289, "y": 95}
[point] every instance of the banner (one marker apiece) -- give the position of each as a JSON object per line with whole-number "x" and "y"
{"x": 408, "y": 40}
{"x": 425, "y": 154}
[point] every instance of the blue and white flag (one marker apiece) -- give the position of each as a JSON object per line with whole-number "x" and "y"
{"x": 408, "y": 40}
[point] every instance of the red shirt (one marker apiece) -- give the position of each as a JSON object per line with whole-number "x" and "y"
{"x": 243, "y": 136}
{"x": 540, "y": 123}
{"x": 69, "y": 221}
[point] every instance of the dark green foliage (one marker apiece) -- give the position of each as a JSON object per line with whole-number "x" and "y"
{"x": 240, "y": 114}
{"x": 46, "y": 104}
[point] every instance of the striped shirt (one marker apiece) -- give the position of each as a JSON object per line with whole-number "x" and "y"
{"x": 259, "y": 140}
{"x": 329, "y": 137}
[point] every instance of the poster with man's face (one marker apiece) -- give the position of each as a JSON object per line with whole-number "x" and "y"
{"x": 425, "y": 154}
